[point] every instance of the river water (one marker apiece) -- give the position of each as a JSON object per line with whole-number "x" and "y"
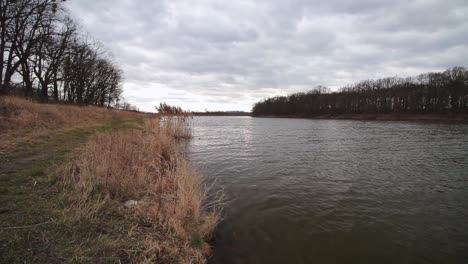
{"x": 334, "y": 191}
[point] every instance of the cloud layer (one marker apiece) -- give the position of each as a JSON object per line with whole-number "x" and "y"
{"x": 226, "y": 55}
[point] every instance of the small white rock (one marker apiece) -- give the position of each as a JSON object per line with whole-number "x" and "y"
{"x": 131, "y": 203}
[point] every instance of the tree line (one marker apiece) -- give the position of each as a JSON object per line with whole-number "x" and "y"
{"x": 221, "y": 113}
{"x": 45, "y": 56}
{"x": 435, "y": 92}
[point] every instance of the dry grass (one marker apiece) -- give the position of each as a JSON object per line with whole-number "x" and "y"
{"x": 23, "y": 120}
{"x": 172, "y": 219}
{"x": 19, "y": 113}
{"x": 175, "y": 120}
{"x": 178, "y": 126}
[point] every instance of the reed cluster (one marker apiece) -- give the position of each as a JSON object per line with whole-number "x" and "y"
{"x": 143, "y": 174}
{"x": 175, "y": 120}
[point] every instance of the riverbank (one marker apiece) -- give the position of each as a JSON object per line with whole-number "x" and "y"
{"x": 383, "y": 117}
{"x": 88, "y": 184}
{"x": 222, "y": 113}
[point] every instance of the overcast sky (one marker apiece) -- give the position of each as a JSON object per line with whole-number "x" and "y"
{"x": 226, "y": 55}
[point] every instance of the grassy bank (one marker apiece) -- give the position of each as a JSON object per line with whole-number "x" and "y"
{"x": 21, "y": 120}
{"x": 109, "y": 187}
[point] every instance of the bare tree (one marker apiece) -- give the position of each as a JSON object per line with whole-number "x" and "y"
{"x": 43, "y": 52}
{"x": 445, "y": 92}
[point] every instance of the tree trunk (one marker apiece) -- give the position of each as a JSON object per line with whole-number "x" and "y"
{"x": 44, "y": 92}
{"x": 56, "y": 91}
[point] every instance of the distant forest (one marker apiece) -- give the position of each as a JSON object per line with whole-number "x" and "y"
{"x": 46, "y": 57}
{"x": 221, "y": 113}
{"x": 439, "y": 92}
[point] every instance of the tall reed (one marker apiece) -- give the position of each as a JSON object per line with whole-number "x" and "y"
{"x": 145, "y": 167}
{"x": 175, "y": 120}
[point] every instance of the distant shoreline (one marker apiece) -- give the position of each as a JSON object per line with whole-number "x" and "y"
{"x": 381, "y": 117}
{"x": 222, "y": 114}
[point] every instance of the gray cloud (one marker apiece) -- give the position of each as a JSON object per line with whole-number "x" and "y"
{"x": 225, "y": 55}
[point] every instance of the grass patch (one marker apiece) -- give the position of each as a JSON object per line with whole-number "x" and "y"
{"x": 76, "y": 213}
{"x": 32, "y": 228}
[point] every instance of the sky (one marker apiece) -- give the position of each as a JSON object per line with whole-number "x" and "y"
{"x": 227, "y": 55}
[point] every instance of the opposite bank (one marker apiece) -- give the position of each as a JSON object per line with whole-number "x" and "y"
{"x": 383, "y": 117}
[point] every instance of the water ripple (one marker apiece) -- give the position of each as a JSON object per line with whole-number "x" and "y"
{"x": 329, "y": 191}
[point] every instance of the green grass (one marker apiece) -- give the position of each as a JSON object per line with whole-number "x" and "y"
{"x": 197, "y": 240}
{"x": 33, "y": 228}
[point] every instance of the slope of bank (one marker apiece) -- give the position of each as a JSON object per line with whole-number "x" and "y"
{"x": 383, "y": 117}
{"x": 110, "y": 187}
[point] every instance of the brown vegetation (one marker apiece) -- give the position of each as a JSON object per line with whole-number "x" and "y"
{"x": 133, "y": 186}
{"x": 144, "y": 167}
{"x": 23, "y": 120}
{"x": 175, "y": 120}
{"x": 18, "y": 113}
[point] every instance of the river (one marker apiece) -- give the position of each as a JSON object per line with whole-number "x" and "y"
{"x": 336, "y": 191}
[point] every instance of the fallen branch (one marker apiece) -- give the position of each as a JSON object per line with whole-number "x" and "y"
{"x": 26, "y": 226}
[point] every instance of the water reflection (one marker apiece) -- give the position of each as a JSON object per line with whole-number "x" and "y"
{"x": 328, "y": 191}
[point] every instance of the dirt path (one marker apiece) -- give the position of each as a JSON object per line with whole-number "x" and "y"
{"x": 31, "y": 230}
